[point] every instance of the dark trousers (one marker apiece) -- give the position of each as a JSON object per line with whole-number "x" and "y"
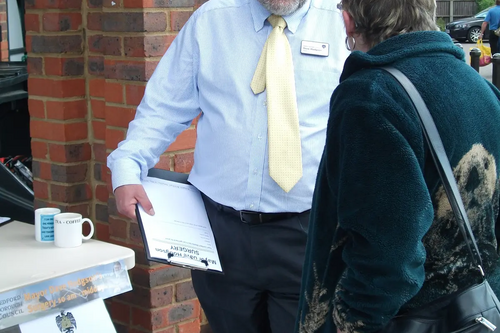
{"x": 259, "y": 290}
{"x": 493, "y": 42}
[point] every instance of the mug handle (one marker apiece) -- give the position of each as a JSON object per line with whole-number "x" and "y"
{"x": 91, "y": 233}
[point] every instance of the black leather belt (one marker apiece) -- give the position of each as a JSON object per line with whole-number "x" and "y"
{"x": 250, "y": 217}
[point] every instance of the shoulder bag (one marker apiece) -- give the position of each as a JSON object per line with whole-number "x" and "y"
{"x": 475, "y": 309}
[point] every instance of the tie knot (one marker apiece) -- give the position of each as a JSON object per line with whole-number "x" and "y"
{"x": 277, "y": 21}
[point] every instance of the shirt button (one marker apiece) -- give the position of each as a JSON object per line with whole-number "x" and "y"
{"x": 252, "y": 205}
{"x": 265, "y": 103}
{"x": 259, "y": 136}
{"x": 255, "y": 171}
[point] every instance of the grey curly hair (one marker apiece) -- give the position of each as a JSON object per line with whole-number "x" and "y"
{"x": 378, "y": 20}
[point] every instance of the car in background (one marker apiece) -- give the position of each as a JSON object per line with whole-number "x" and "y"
{"x": 468, "y": 29}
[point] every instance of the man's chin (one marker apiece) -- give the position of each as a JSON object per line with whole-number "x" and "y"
{"x": 282, "y": 7}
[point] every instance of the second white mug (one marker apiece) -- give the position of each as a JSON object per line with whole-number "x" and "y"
{"x": 68, "y": 229}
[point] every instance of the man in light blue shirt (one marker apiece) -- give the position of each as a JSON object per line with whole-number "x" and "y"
{"x": 261, "y": 230}
{"x": 493, "y": 20}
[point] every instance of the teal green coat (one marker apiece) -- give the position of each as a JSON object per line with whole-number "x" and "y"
{"x": 382, "y": 236}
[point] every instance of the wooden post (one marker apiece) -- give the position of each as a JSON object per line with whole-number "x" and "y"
{"x": 451, "y": 10}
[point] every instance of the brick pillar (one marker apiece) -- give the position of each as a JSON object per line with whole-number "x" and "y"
{"x": 57, "y": 105}
{"x": 4, "y": 44}
{"x": 126, "y": 39}
{"x": 89, "y": 61}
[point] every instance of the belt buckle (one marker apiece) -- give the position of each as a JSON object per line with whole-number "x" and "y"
{"x": 241, "y": 217}
{"x": 249, "y": 212}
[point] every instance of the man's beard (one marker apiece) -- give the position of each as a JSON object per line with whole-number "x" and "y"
{"x": 282, "y": 7}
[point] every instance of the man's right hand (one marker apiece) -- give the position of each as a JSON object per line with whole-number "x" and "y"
{"x": 127, "y": 196}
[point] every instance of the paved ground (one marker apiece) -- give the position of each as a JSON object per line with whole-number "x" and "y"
{"x": 485, "y": 71}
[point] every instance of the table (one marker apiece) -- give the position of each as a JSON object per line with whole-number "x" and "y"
{"x": 24, "y": 261}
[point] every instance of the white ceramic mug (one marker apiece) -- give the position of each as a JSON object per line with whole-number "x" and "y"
{"x": 44, "y": 224}
{"x": 68, "y": 229}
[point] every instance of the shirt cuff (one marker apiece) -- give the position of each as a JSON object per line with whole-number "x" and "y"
{"x": 125, "y": 172}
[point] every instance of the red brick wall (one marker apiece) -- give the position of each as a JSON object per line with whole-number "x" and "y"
{"x": 58, "y": 107}
{"x": 4, "y": 44}
{"x": 89, "y": 61}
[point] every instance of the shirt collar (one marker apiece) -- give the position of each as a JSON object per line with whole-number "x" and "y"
{"x": 260, "y": 15}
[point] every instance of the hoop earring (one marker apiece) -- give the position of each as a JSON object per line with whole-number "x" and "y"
{"x": 348, "y": 47}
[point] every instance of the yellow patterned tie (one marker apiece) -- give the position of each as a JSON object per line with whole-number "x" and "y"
{"x": 275, "y": 73}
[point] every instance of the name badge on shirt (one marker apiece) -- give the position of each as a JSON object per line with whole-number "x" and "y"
{"x": 314, "y": 48}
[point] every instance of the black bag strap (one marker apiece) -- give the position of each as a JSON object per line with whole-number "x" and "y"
{"x": 442, "y": 163}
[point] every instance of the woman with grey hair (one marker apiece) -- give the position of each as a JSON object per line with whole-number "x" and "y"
{"x": 383, "y": 239}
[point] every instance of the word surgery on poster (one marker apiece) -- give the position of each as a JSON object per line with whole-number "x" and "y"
{"x": 54, "y": 295}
